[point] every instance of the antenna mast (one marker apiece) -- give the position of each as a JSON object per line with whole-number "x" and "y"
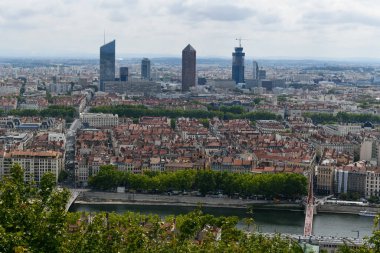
{"x": 240, "y": 39}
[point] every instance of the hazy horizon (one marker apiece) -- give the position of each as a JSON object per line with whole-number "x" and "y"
{"x": 136, "y": 57}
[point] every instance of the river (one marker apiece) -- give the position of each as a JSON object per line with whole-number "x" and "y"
{"x": 325, "y": 224}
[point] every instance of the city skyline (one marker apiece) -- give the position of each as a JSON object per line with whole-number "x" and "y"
{"x": 292, "y": 29}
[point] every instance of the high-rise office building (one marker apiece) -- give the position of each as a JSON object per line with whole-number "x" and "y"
{"x": 145, "y": 68}
{"x": 123, "y": 74}
{"x": 107, "y": 64}
{"x": 189, "y": 56}
{"x": 255, "y": 70}
{"x": 238, "y": 65}
{"x": 262, "y": 74}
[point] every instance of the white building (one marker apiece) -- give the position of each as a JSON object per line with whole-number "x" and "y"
{"x": 372, "y": 186}
{"x": 342, "y": 130}
{"x": 57, "y": 137}
{"x": 99, "y": 119}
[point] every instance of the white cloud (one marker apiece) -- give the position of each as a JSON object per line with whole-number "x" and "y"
{"x": 293, "y": 28}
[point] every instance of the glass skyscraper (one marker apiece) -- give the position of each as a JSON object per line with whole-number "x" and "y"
{"x": 145, "y": 68}
{"x": 238, "y": 65}
{"x": 255, "y": 70}
{"x": 123, "y": 74}
{"x": 107, "y": 64}
{"x": 189, "y": 56}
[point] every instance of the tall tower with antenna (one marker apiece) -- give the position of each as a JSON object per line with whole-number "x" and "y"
{"x": 107, "y": 64}
{"x": 238, "y": 63}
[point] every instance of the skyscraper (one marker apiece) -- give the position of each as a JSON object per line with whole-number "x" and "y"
{"x": 255, "y": 70}
{"x": 123, "y": 74}
{"x": 189, "y": 56}
{"x": 262, "y": 74}
{"x": 107, "y": 64}
{"x": 238, "y": 65}
{"x": 145, "y": 68}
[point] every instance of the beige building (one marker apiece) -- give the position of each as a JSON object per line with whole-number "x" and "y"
{"x": 325, "y": 178}
{"x": 35, "y": 164}
{"x": 370, "y": 152}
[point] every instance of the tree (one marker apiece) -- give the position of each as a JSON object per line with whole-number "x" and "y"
{"x": 205, "y": 122}
{"x": 62, "y": 176}
{"x": 31, "y": 219}
{"x": 205, "y": 181}
{"x": 34, "y": 220}
{"x": 172, "y": 123}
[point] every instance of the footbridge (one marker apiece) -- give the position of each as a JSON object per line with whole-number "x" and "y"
{"x": 309, "y": 214}
{"x": 74, "y": 193}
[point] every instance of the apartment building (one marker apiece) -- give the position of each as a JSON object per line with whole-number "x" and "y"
{"x": 99, "y": 119}
{"x": 35, "y": 164}
{"x": 372, "y": 184}
{"x": 325, "y": 178}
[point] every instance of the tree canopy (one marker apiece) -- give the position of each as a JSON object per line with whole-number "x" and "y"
{"x": 224, "y": 112}
{"x": 342, "y": 117}
{"x": 33, "y": 219}
{"x": 270, "y": 185}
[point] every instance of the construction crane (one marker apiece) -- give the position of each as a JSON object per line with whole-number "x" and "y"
{"x": 240, "y": 39}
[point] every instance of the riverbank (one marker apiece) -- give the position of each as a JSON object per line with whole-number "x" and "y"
{"x": 104, "y": 198}
{"x": 332, "y": 208}
{"x": 179, "y": 200}
{"x": 267, "y": 221}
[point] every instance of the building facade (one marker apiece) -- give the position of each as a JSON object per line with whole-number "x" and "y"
{"x": 107, "y": 64}
{"x": 238, "y": 65}
{"x": 350, "y": 180}
{"x": 189, "y": 56}
{"x": 324, "y": 179}
{"x": 34, "y": 163}
{"x": 123, "y": 74}
{"x": 372, "y": 186}
{"x": 99, "y": 119}
{"x": 145, "y": 69}
{"x": 133, "y": 87}
{"x": 255, "y": 70}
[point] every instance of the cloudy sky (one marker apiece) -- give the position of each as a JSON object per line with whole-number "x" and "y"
{"x": 273, "y": 28}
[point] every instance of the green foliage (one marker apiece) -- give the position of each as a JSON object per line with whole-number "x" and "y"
{"x": 205, "y": 122}
{"x": 257, "y": 100}
{"x": 235, "y": 109}
{"x": 34, "y": 220}
{"x": 63, "y": 175}
{"x": 57, "y": 111}
{"x": 224, "y": 112}
{"x": 49, "y": 97}
{"x": 352, "y": 196}
{"x": 31, "y": 219}
{"x": 374, "y": 199}
{"x": 282, "y": 98}
{"x": 133, "y": 232}
{"x": 205, "y": 181}
{"x": 303, "y": 86}
{"x": 342, "y": 117}
{"x": 172, "y": 123}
